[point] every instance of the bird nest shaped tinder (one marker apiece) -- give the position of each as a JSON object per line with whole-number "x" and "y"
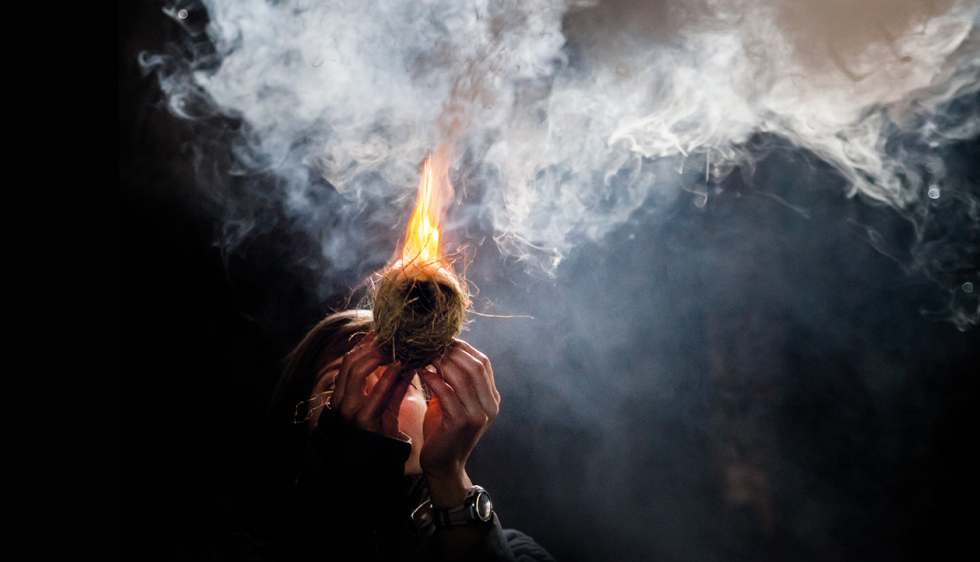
{"x": 418, "y": 312}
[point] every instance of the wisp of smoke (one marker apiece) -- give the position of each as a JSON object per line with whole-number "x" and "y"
{"x": 570, "y": 115}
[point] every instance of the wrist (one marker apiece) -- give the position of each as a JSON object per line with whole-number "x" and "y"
{"x": 476, "y": 510}
{"x": 448, "y": 490}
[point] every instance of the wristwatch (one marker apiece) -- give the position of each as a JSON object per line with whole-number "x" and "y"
{"x": 476, "y": 509}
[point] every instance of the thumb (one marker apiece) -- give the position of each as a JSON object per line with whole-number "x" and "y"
{"x": 391, "y": 403}
{"x": 433, "y": 417}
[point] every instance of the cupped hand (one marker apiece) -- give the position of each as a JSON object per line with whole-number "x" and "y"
{"x": 371, "y": 407}
{"x": 465, "y": 401}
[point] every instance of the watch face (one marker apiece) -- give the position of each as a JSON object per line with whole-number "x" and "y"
{"x": 483, "y": 506}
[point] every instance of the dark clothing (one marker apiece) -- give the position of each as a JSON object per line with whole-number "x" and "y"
{"x": 352, "y": 501}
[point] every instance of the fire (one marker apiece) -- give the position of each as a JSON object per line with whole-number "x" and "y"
{"x": 422, "y": 238}
{"x": 422, "y": 246}
{"x": 419, "y": 304}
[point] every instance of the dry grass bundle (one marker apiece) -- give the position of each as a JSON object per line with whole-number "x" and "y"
{"x": 418, "y": 312}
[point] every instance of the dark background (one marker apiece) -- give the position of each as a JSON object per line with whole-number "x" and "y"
{"x": 757, "y": 378}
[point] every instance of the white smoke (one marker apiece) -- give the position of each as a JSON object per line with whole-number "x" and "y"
{"x": 568, "y": 112}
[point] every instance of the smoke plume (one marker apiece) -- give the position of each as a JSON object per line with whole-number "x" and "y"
{"x": 571, "y": 115}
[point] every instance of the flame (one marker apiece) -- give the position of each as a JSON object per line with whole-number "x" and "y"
{"x": 422, "y": 246}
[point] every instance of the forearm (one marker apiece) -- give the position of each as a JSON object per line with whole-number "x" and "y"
{"x": 446, "y": 492}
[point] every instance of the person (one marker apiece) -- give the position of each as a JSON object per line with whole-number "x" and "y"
{"x": 375, "y": 455}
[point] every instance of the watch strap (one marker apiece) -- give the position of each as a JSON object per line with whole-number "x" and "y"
{"x": 476, "y": 509}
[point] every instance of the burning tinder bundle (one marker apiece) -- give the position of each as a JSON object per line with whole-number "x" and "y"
{"x": 417, "y": 313}
{"x": 419, "y": 305}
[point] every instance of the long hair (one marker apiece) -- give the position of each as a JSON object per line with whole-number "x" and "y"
{"x": 332, "y": 337}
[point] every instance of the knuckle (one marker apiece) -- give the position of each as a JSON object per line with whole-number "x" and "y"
{"x": 349, "y": 411}
{"x": 479, "y": 421}
{"x": 471, "y": 422}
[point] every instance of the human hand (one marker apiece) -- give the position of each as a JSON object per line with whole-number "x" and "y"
{"x": 373, "y": 407}
{"x": 465, "y": 401}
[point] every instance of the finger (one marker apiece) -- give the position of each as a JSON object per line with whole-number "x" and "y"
{"x": 334, "y": 365}
{"x": 485, "y": 366}
{"x": 478, "y": 373}
{"x": 398, "y": 391}
{"x": 324, "y": 381}
{"x": 392, "y": 406}
{"x": 476, "y": 354}
{"x": 448, "y": 400}
{"x": 351, "y": 359}
{"x": 376, "y": 411}
{"x": 354, "y": 373}
{"x": 327, "y": 377}
{"x": 376, "y": 400}
{"x": 321, "y": 395}
{"x": 462, "y": 382}
{"x": 348, "y": 358}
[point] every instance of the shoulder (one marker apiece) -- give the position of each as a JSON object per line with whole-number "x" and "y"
{"x": 525, "y": 549}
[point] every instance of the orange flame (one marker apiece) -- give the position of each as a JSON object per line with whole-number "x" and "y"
{"x": 422, "y": 246}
